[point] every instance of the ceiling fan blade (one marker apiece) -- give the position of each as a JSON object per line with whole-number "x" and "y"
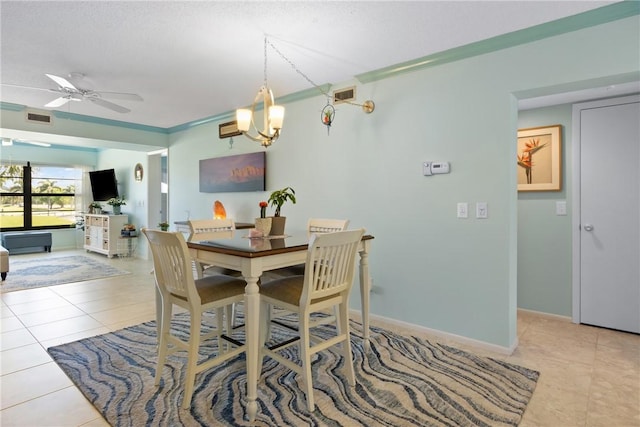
{"x": 38, "y": 143}
{"x": 29, "y": 87}
{"x": 62, "y": 82}
{"x": 121, "y": 95}
{"x": 109, "y": 105}
{"x": 58, "y": 102}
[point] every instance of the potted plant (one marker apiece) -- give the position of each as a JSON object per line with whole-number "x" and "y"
{"x": 164, "y": 226}
{"x": 263, "y": 224}
{"x": 116, "y": 202}
{"x": 95, "y": 208}
{"x": 277, "y": 199}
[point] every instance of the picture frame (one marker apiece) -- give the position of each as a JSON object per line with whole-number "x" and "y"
{"x": 138, "y": 172}
{"x": 539, "y": 161}
{"x": 230, "y": 174}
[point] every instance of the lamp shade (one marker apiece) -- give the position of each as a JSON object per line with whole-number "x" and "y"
{"x": 243, "y": 117}
{"x": 276, "y": 116}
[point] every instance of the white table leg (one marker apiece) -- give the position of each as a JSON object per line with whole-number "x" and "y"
{"x": 252, "y": 329}
{"x": 365, "y": 284}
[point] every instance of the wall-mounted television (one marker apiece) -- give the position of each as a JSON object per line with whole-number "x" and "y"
{"x": 103, "y": 185}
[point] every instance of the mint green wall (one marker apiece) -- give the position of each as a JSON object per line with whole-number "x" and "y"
{"x": 429, "y": 268}
{"x": 544, "y": 238}
{"x": 135, "y": 193}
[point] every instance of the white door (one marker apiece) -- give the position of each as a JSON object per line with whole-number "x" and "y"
{"x": 610, "y": 214}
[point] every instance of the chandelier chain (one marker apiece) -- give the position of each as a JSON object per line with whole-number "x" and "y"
{"x": 297, "y": 70}
{"x": 265, "y": 62}
{"x": 325, "y": 93}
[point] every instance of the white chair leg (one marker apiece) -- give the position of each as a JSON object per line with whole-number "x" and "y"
{"x": 163, "y": 339}
{"x": 229, "y": 319}
{"x": 233, "y": 316}
{"x": 265, "y": 328}
{"x": 194, "y": 345}
{"x": 336, "y": 313}
{"x": 199, "y": 269}
{"x": 305, "y": 355}
{"x": 223, "y": 346}
{"x": 346, "y": 345}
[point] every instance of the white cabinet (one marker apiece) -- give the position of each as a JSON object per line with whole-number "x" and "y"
{"x": 101, "y": 233}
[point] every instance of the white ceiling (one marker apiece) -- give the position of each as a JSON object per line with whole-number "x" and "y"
{"x": 192, "y": 60}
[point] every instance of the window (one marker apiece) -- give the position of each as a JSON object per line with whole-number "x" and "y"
{"x": 37, "y": 197}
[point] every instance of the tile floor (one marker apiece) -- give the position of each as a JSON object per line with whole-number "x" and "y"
{"x": 589, "y": 376}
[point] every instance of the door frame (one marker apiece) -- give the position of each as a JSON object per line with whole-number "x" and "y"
{"x": 575, "y": 194}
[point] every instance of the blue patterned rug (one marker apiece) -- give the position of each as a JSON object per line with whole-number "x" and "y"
{"x": 402, "y": 381}
{"x": 50, "y": 271}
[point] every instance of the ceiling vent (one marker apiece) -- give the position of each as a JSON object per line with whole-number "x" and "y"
{"x": 41, "y": 118}
{"x": 344, "y": 95}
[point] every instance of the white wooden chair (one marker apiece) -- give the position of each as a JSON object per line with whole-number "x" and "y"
{"x": 177, "y": 286}
{"x": 210, "y": 229}
{"x": 326, "y": 284}
{"x": 314, "y": 226}
{"x": 320, "y": 225}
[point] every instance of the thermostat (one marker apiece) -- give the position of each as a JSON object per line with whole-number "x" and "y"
{"x": 439, "y": 167}
{"x": 432, "y": 168}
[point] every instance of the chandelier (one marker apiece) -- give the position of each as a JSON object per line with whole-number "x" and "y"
{"x": 273, "y": 115}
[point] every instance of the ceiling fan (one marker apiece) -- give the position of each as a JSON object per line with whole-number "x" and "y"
{"x": 70, "y": 92}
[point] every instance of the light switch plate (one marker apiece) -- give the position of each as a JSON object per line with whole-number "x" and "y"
{"x": 482, "y": 211}
{"x": 463, "y": 210}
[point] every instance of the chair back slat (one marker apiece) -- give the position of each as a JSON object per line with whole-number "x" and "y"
{"x": 330, "y": 264}
{"x": 172, "y": 264}
{"x": 321, "y": 225}
{"x": 209, "y": 229}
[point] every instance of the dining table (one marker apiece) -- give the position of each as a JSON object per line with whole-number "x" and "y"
{"x": 254, "y": 256}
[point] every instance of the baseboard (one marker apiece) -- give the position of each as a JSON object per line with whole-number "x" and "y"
{"x": 481, "y": 345}
{"x": 547, "y": 315}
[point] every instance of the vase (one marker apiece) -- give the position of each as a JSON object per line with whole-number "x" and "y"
{"x": 117, "y": 209}
{"x": 263, "y": 225}
{"x": 277, "y": 225}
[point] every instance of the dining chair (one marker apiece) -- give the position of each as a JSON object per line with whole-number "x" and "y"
{"x": 326, "y": 284}
{"x": 177, "y": 286}
{"x": 314, "y": 226}
{"x": 209, "y": 229}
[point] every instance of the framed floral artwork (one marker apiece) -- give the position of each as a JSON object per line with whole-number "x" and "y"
{"x": 539, "y": 161}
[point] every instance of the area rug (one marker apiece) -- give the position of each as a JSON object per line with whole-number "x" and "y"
{"x": 401, "y": 381}
{"x": 50, "y": 271}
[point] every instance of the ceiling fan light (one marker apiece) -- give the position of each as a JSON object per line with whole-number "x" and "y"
{"x": 243, "y": 117}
